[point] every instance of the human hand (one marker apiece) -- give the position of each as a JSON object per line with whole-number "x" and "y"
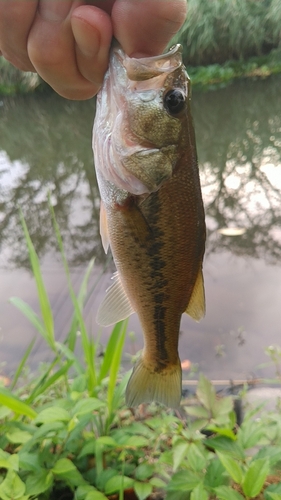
{"x": 67, "y": 42}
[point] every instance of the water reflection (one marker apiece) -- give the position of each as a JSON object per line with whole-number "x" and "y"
{"x": 45, "y": 146}
{"x": 239, "y": 139}
{"x": 45, "y": 143}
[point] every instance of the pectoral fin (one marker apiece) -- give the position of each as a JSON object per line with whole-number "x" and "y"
{"x": 104, "y": 228}
{"x": 196, "y": 305}
{"x": 115, "y": 306}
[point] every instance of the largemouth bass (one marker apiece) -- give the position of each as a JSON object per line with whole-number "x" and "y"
{"x": 152, "y": 214}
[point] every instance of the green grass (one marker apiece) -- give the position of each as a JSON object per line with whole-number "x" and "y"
{"x": 66, "y": 434}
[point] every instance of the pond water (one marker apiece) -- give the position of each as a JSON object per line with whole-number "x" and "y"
{"x": 45, "y": 146}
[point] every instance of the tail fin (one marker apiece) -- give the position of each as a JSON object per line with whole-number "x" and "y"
{"x": 145, "y": 385}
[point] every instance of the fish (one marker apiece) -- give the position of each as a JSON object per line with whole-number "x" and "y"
{"x": 151, "y": 214}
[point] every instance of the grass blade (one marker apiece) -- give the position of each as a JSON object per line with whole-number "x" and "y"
{"x": 30, "y": 315}
{"x": 88, "y": 346}
{"x": 16, "y": 404}
{"x": 22, "y": 363}
{"x": 46, "y": 311}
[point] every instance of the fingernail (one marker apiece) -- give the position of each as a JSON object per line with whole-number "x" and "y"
{"x": 54, "y": 10}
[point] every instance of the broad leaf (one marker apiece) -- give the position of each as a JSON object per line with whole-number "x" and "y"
{"x": 255, "y": 477}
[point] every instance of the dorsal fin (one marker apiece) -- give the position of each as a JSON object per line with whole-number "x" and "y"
{"x": 196, "y": 305}
{"x": 104, "y": 227}
{"x": 115, "y": 306}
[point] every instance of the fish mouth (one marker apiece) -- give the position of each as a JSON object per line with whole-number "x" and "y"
{"x": 149, "y": 72}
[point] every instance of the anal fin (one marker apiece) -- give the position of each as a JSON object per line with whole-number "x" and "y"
{"x": 196, "y": 306}
{"x": 115, "y": 306}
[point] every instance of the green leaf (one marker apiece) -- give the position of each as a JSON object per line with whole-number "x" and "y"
{"x": 226, "y": 446}
{"x": 142, "y": 490}
{"x": 232, "y": 467}
{"x": 39, "y": 482}
{"x": 197, "y": 411}
{"x": 223, "y": 406}
{"x": 85, "y": 406}
{"x": 63, "y": 466}
{"x": 16, "y": 404}
{"x": 206, "y": 393}
{"x": 255, "y": 477}
{"x": 29, "y": 461}
{"x": 144, "y": 471}
{"x": 137, "y": 442}
{"x": 179, "y": 453}
{"x": 115, "y": 365}
{"x": 46, "y": 429}
{"x": 116, "y": 483}
{"x": 12, "y": 487}
{"x": 274, "y": 496}
{"x": 273, "y": 453}
{"x": 227, "y": 493}
{"x": 52, "y": 414}
{"x": 65, "y": 469}
{"x": 95, "y": 495}
{"x": 157, "y": 482}
{"x": 272, "y": 488}
{"x": 196, "y": 458}
{"x": 215, "y": 474}
{"x": 183, "y": 481}
{"x": 199, "y": 493}
{"x": 18, "y": 436}
{"x": 222, "y": 431}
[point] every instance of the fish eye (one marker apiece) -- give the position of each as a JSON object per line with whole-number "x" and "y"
{"x": 174, "y": 101}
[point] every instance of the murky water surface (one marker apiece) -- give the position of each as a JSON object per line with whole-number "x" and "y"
{"x": 45, "y": 146}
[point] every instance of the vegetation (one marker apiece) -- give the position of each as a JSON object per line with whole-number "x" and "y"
{"x": 222, "y": 40}
{"x": 67, "y": 435}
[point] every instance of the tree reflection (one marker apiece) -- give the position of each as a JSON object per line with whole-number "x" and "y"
{"x": 239, "y": 137}
{"x": 46, "y": 147}
{"x": 47, "y": 142}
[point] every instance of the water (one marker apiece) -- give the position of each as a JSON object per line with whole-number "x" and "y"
{"x": 45, "y": 146}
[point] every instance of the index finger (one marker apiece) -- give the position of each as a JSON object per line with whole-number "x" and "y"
{"x": 16, "y": 18}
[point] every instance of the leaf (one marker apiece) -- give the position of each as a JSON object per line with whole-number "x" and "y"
{"x": 15, "y": 404}
{"x": 183, "y": 481}
{"x": 226, "y": 446}
{"x": 223, "y": 406}
{"x": 142, "y": 490}
{"x": 227, "y": 493}
{"x": 87, "y": 492}
{"x": 199, "y": 493}
{"x": 95, "y": 495}
{"x": 116, "y": 483}
{"x": 12, "y": 487}
{"x": 144, "y": 471}
{"x": 22, "y": 363}
{"x": 272, "y": 452}
{"x": 222, "y": 431}
{"x": 197, "y": 411}
{"x": 39, "y": 482}
{"x": 29, "y": 461}
{"x": 179, "y": 452}
{"x": 255, "y": 477}
{"x": 137, "y": 442}
{"x": 232, "y": 467}
{"x": 206, "y": 393}
{"x": 274, "y": 496}
{"x": 215, "y": 474}
{"x": 196, "y": 458}
{"x": 65, "y": 469}
{"x": 18, "y": 436}
{"x": 52, "y": 414}
{"x": 85, "y": 406}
